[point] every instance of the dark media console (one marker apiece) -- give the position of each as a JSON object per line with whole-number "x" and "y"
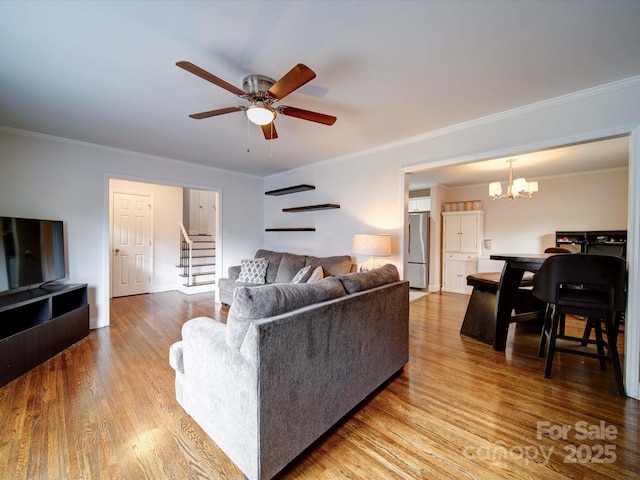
{"x": 38, "y": 323}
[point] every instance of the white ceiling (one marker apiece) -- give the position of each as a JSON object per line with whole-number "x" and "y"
{"x": 104, "y": 72}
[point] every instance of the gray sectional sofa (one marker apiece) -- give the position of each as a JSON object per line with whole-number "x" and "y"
{"x": 292, "y": 360}
{"x": 282, "y": 267}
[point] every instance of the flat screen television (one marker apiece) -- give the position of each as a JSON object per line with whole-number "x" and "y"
{"x": 31, "y": 253}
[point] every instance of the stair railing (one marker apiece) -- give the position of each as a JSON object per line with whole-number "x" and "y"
{"x": 185, "y": 239}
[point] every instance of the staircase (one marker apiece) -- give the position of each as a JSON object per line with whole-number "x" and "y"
{"x": 197, "y": 268}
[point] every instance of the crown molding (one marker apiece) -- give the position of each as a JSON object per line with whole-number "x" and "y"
{"x": 121, "y": 151}
{"x": 488, "y": 119}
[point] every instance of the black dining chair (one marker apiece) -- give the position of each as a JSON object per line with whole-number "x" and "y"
{"x": 587, "y": 285}
{"x": 558, "y": 250}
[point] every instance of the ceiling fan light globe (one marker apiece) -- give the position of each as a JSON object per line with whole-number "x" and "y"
{"x": 260, "y": 115}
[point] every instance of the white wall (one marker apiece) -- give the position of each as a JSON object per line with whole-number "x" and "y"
{"x": 369, "y": 199}
{"x": 43, "y": 177}
{"x": 590, "y": 201}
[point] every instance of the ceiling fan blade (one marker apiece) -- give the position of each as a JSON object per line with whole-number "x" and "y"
{"x": 191, "y": 68}
{"x": 269, "y": 131}
{"x": 213, "y": 113}
{"x": 307, "y": 115}
{"x": 294, "y": 79}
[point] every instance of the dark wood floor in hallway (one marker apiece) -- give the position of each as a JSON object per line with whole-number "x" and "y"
{"x": 105, "y": 409}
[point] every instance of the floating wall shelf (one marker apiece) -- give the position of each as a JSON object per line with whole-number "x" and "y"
{"x": 324, "y": 206}
{"x": 289, "y": 229}
{"x": 288, "y": 190}
{"x": 295, "y": 189}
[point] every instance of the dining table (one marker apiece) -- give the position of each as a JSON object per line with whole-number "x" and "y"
{"x": 515, "y": 265}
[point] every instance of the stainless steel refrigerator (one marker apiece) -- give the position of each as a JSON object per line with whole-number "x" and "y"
{"x": 418, "y": 268}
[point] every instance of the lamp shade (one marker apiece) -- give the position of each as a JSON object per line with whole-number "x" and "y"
{"x": 372, "y": 244}
{"x": 495, "y": 189}
{"x": 519, "y": 185}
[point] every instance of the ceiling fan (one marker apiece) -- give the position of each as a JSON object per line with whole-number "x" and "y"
{"x": 262, "y": 93}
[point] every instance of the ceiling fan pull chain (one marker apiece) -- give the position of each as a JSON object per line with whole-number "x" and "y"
{"x": 271, "y": 143}
{"x": 248, "y": 123}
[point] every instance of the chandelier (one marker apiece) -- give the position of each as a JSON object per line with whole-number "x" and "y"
{"x": 516, "y": 188}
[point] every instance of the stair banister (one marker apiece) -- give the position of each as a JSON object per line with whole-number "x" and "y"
{"x": 186, "y": 238}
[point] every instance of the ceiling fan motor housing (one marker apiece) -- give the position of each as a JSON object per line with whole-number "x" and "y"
{"x": 257, "y": 84}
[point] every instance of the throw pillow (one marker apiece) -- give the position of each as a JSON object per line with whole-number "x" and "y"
{"x": 316, "y": 275}
{"x": 302, "y": 276}
{"x": 253, "y": 270}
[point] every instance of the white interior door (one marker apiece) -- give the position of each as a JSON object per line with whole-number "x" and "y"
{"x": 206, "y": 212}
{"x": 202, "y": 211}
{"x": 131, "y": 244}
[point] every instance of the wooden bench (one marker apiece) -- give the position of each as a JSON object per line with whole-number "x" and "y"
{"x": 480, "y": 318}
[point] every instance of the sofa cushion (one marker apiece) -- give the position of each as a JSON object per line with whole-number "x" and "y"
{"x": 332, "y": 266}
{"x": 253, "y": 270}
{"x": 303, "y": 275}
{"x": 316, "y": 275}
{"x": 289, "y": 266}
{"x": 357, "y": 282}
{"x": 253, "y": 303}
{"x": 274, "y": 262}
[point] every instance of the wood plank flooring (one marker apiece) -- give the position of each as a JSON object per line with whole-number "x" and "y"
{"x": 105, "y": 409}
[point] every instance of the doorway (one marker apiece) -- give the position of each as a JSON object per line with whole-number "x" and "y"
{"x": 164, "y": 239}
{"x": 200, "y": 211}
{"x": 632, "y": 328}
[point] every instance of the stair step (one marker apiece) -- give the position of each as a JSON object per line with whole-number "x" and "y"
{"x": 184, "y": 275}
{"x": 203, "y": 261}
{"x": 193, "y": 265}
{"x": 199, "y": 284}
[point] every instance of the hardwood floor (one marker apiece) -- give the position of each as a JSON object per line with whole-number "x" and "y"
{"x": 105, "y": 408}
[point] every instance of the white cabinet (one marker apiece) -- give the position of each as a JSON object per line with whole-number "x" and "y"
{"x": 462, "y": 245}
{"x": 419, "y": 204}
{"x": 455, "y": 269}
{"x": 462, "y": 231}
